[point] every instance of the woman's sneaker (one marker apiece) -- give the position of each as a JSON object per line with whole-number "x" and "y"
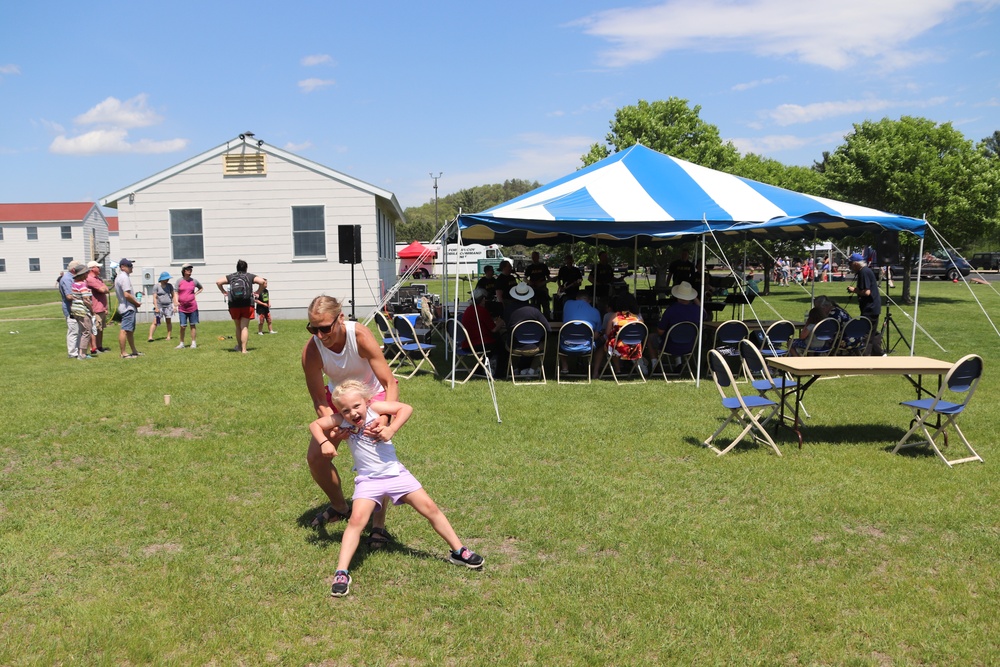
{"x": 341, "y": 584}
{"x": 469, "y": 559}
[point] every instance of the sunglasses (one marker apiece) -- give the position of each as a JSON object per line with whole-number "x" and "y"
{"x": 319, "y": 330}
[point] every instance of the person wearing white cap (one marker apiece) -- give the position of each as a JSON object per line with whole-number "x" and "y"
{"x": 522, "y": 311}
{"x": 99, "y": 297}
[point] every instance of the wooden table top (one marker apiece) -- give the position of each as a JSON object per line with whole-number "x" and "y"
{"x": 800, "y": 366}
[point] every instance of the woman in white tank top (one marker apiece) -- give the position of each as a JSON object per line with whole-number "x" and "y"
{"x": 341, "y": 350}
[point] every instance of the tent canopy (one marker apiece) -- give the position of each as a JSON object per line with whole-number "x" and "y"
{"x": 642, "y": 193}
{"x": 414, "y": 250}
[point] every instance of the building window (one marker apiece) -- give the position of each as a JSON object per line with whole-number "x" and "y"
{"x": 3, "y": 266}
{"x": 66, "y": 261}
{"x": 34, "y": 264}
{"x": 66, "y": 231}
{"x": 308, "y": 231}
{"x": 186, "y": 238}
{"x": 1, "y": 233}
{"x": 32, "y": 233}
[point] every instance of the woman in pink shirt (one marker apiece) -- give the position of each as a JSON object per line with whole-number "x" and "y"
{"x": 186, "y": 305}
{"x": 99, "y": 299}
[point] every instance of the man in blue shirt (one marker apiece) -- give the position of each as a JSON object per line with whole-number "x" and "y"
{"x": 869, "y": 299}
{"x": 580, "y": 308}
{"x": 66, "y": 293}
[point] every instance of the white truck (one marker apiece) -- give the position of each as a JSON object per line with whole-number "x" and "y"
{"x": 462, "y": 259}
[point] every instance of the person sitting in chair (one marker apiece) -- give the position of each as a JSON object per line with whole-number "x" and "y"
{"x": 523, "y": 311}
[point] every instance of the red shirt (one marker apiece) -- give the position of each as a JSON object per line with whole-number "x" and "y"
{"x": 99, "y": 293}
{"x": 475, "y": 319}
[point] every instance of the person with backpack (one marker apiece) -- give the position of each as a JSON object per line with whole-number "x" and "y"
{"x": 241, "y": 301}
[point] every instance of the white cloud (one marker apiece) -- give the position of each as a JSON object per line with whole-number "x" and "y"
{"x": 828, "y": 34}
{"x": 112, "y": 112}
{"x": 309, "y": 85}
{"x": 10, "y": 69}
{"x": 740, "y": 87}
{"x": 113, "y": 120}
{"x": 775, "y": 143}
{"x": 317, "y": 59}
{"x": 795, "y": 114}
{"x": 294, "y": 147}
{"x": 52, "y": 126}
{"x": 112, "y": 141}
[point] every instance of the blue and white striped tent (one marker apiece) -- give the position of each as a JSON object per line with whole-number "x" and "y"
{"x": 642, "y": 194}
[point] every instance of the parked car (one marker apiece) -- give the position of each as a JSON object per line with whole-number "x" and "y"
{"x": 986, "y": 261}
{"x": 939, "y": 264}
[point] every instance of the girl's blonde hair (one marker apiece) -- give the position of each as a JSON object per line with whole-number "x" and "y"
{"x": 351, "y": 387}
{"x": 324, "y": 304}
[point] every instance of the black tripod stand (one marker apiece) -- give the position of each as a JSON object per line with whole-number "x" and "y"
{"x": 887, "y": 345}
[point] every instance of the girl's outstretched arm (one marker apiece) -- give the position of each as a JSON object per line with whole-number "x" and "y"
{"x": 400, "y": 413}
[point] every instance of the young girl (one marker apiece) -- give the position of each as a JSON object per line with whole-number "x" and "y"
{"x": 379, "y": 473}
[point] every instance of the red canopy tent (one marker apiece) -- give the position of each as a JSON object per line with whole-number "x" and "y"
{"x": 414, "y": 250}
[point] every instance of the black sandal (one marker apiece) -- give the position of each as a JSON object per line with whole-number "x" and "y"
{"x": 378, "y": 538}
{"x": 330, "y": 514}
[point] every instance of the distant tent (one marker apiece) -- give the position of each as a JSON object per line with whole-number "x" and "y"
{"x": 416, "y": 249}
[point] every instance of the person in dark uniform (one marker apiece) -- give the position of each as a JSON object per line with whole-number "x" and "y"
{"x": 869, "y": 299}
{"x": 602, "y": 276}
{"x": 681, "y": 269}
{"x": 488, "y": 283}
{"x": 569, "y": 279}
{"x": 536, "y": 275}
{"x": 504, "y": 282}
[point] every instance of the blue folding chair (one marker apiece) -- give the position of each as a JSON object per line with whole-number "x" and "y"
{"x": 741, "y": 408}
{"x": 633, "y": 333}
{"x": 680, "y": 336}
{"x": 960, "y": 382}
{"x": 728, "y": 336}
{"x": 390, "y": 346}
{"x": 527, "y": 339}
{"x": 775, "y": 343}
{"x": 414, "y": 352}
{"x": 576, "y": 341}
{"x": 756, "y": 370}
{"x": 854, "y": 337}
{"x": 822, "y": 339}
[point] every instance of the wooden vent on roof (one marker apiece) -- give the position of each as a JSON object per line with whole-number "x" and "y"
{"x": 242, "y": 164}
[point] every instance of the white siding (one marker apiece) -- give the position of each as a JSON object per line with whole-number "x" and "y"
{"x": 50, "y": 249}
{"x": 250, "y": 218}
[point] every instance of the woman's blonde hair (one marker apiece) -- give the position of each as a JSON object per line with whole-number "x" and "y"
{"x": 323, "y": 305}
{"x": 351, "y": 387}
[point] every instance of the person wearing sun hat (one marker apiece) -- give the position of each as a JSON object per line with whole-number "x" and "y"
{"x": 82, "y": 309}
{"x": 522, "y": 311}
{"x": 685, "y": 308}
{"x": 163, "y": 305}
{"x": 99, "y": 292}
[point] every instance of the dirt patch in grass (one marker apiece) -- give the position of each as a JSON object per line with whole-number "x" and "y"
{"x": 147, "y": 430}
{"x": 167, "y": 547}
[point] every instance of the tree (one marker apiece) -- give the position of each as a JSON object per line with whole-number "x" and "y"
{"x": 420, "y": 223}
{"x": 915, "y": 167}
{"x": 990, "y": 146}
{"x": 669, "y": 126}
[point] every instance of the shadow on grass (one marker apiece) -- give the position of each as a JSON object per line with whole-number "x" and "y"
{"x": 322, "y": 538}
{"x": 839, "y": 435}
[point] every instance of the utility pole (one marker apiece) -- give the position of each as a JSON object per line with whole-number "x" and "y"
{"x": 444, "y": 243}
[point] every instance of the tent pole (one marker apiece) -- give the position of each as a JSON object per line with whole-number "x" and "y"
{"x": 635, "y": 267}
{"x": 812, "y": 275}
{"x": 916, "y": 300}
{"x": 701, "y": 318}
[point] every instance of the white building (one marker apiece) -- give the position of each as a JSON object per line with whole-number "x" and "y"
{"x": 37, "y": 241}
{"x": 283, "y": 214}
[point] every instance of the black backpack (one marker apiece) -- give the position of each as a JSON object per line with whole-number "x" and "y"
{"x": 240, "y": 291}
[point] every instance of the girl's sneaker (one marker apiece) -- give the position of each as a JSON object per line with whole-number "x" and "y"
{"x": 341, "y": 584}
{"x": 469, "y": 559}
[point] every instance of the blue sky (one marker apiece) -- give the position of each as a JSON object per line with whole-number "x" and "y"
{"x": 96, "y": 96}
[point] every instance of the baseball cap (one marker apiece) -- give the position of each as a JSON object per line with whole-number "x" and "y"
{"x": 856, "y": 257}
{"x": 478, "y": 293}
{"x": 91, "y": 264}
{"x": 125, "y": 262}
{"x": 187, "y": 266}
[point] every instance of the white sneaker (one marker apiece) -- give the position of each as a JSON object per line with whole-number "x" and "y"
{"x": 181, "y": 346}
{"x": 193, "y": 345}
{"x": 260, "y": 333}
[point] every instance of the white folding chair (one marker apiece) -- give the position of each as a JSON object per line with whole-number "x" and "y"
{"x": 960, "y": 382}
{"x": 756, "y": 370}
{"x": 741, "y": 408}
{"x": 414, "y": 352}
{"x": 679, "y": 336}
{"x": 468, "y": 359}
{"x": 390, "y": 346}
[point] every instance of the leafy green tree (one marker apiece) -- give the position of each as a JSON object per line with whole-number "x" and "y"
{"x": 990, "y": 146}
{"x": 915, "y": 167}
{"x": 670, "y": 126}
{"x": 421, "y": 225}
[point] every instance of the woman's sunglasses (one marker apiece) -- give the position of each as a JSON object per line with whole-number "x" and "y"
{"x": 319, "y": 330}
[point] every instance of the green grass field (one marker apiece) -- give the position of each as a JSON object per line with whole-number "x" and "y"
{"x": 132, "y": 532}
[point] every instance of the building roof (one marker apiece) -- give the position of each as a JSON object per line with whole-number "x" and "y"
{"x": 46, "y": 212}
{"x": 242, "y": 142}
{"x": 112, "y": 222}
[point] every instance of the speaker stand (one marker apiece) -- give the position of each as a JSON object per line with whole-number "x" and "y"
{"x": 353, "y": 318}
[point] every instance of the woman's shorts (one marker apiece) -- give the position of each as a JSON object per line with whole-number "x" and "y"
{"x": 188, "y": 318}
{"x": 241, "y": 313}
{"x": 376, "y": 488}
{"x": 167, "y": 312}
